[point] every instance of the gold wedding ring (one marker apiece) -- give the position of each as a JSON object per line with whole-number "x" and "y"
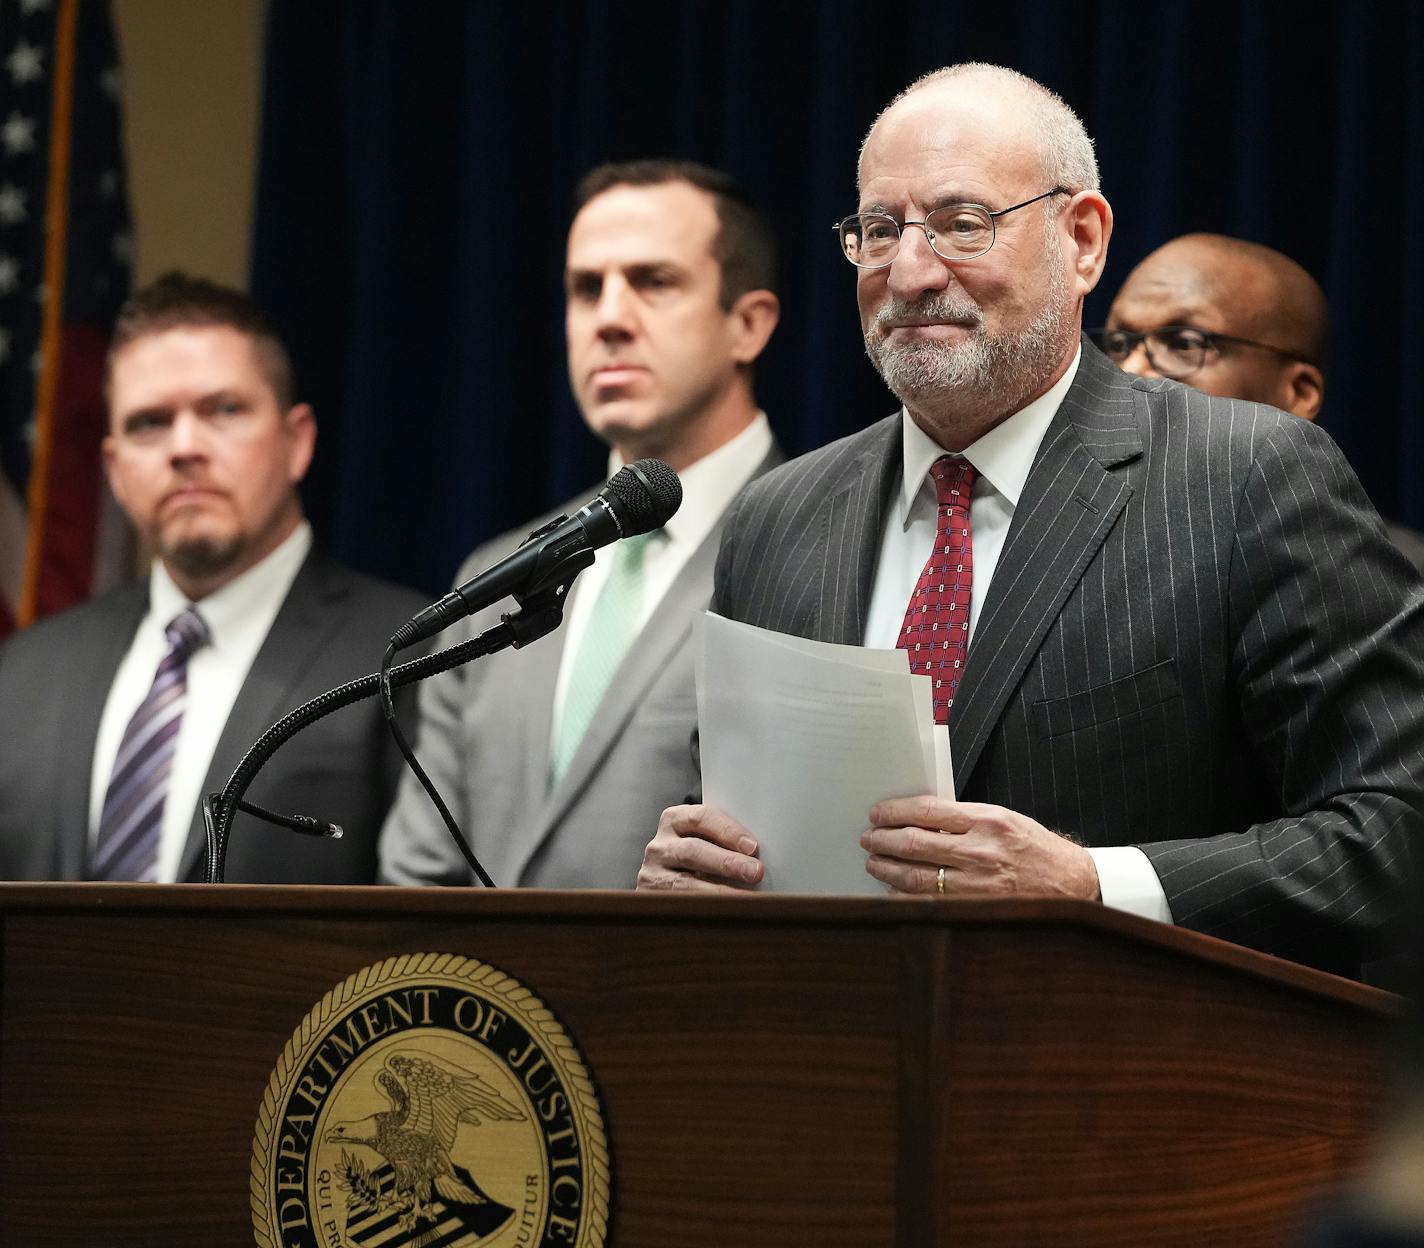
{"x": 939, "y": 881}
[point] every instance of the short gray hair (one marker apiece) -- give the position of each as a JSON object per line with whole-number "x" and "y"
{"x": 1067, "y": 150}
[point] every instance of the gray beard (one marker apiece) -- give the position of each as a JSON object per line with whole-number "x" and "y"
{"x": 982, "y": 375}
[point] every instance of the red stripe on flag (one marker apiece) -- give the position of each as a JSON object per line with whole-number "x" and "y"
{"x": 55, "y": 225}
{"x": 71, "y": 495}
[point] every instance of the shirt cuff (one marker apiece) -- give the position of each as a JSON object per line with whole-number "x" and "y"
{"x": 1128, "y": 882}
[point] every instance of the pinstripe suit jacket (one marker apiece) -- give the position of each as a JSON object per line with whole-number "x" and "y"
{"x": 1197, "y": 640}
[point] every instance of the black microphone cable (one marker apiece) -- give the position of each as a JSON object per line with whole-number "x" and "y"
{"x": 388, "y": 709}
{"x": 638, "y": 498}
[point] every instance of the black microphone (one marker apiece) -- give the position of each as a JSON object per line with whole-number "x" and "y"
{"x": 638, "y": 498}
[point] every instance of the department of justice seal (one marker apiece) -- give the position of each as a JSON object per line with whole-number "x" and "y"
{"x": 430, "y": 1100}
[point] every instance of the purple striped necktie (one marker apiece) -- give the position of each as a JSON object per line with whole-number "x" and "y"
{"x": 132, "y": 819}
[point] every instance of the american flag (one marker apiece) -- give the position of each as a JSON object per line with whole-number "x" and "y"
{"x": 64, "y": 269}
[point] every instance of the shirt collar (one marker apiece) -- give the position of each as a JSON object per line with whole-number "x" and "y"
{"x": 1003, "y": 456}
{"x": 253, "y": 595}
{"x": 710, "y": 484}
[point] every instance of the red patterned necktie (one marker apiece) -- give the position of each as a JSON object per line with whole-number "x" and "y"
{"x": 936, "y": 628}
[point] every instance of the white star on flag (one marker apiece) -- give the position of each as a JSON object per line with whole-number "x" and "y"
{"x": 123, "y": 247}
{"x": 42, "y": 214}
{"x": 12, "y": 204}
{"x": 25, "y": 63}
{"x": 18, "y": 134}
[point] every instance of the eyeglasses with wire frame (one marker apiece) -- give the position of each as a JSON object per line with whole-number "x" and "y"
{"x": 871, "y": 240}
{"x": 1177, "y": 351}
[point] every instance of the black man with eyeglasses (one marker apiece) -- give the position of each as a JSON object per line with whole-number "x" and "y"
{"x": 1233, "y": 318}
{"x": 1228, "y": 316}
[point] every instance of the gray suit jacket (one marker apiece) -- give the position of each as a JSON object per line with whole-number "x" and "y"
{"x": 1197, "y": 640}
{"x": 55, "y": 678}
{"x": 1410, "y": 542}
{"x": 484, "y": 740}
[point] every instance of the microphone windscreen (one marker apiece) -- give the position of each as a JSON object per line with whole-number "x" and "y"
{"x": 648, "y": 492}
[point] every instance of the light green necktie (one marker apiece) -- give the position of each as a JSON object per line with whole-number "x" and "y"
{"x": 610, "y": 630}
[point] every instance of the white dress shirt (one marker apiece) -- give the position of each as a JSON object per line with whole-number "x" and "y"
{"x": 1002, "y": 459}
{"x": 708, "y": 488}
{"x": 238, "y": 616}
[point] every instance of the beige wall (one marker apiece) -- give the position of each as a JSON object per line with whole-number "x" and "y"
{"x": 192, "y": 93}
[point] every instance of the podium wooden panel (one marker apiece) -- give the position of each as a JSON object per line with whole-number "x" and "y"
{"x": 773, "y": 1071}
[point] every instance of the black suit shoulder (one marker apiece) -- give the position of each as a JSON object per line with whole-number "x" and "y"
{"x": 54, "y": 680}
{"x": 332, "y": 628}
{"x": 384, "y": 600}
{"x": 75, "y": 625}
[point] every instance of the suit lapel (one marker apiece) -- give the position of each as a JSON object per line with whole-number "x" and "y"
{"x": 537, "y": 680}
{"x": 90, "y": 678}
{"x": 849, "y": 545}
{"x": 666, "y": 632}
{"x": 299, "y": 633}
{"x": 1071, "y": 501}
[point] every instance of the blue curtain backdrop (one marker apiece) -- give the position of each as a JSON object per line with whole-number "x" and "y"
{"x": 418, "y": 160}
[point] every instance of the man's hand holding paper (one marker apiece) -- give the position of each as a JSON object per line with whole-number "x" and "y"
{"x": 799, "y": 740}
{"x": 983, "y": 851}
{"x": 701, "y": 849}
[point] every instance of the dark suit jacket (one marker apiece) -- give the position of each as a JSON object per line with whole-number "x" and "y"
{"x": 1197, "y": 640}
{"x": 484, "y": 740}
{"x": 55, "y": 677}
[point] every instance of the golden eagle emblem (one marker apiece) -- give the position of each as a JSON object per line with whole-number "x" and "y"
{"x": 428, "y": 1101}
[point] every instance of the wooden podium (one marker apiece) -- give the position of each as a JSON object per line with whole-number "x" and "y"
{"x": 773, "y": 1070}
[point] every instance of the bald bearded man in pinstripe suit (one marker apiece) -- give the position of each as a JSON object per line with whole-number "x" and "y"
{"x": 1194, "y": 681}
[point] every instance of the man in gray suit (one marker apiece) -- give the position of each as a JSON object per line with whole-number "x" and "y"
{"x": 1233, "y": 318}
{"x": 555, "y": 761}
{"x": 112, "y": 730}
{"x": 1193, "y": 682}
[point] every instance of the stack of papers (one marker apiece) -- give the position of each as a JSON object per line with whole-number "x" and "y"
{"x": 801, "y": 738}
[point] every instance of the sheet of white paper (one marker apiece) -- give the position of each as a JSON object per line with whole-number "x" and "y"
{"x": 800, "y": 738}
{"x": 934, "y": 743}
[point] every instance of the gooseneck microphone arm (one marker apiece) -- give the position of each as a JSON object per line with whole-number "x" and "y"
{"x": 540, "y": 612}
{"x": 530, "y": 623}
{"x": 638, "y": 498}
